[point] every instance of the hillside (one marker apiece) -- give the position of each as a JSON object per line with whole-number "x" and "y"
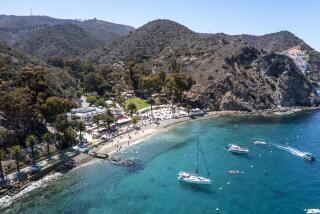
{"x": 147, "y": 41}
{"x": 58, "y": 40}
{"x": 15, "y": 28}
{"x": 25, "y": 85}
{"x": 282, "y": 42}
{"x": 105, "y": 31}
{"x": 230, "y": 73}
{"x": 276, "y": 42}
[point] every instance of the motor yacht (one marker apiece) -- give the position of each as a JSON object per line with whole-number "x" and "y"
{"x": 309, "y": 157}
{"x": 236, "y": 149}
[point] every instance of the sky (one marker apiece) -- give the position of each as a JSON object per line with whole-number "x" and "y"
{"x": 257, "y": 17}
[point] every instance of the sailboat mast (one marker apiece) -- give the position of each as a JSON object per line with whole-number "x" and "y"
{"x": 204, "y": 160}
{"x": 197, "y": 170}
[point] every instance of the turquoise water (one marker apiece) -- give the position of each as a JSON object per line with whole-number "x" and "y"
{"x": 274, "y": 180}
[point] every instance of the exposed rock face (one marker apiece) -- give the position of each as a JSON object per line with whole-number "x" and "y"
{"x": 256, "y": 81}
{"x": 287, "y": 43}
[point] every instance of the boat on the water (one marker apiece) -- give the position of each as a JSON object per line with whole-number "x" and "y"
{"x": 309, "y": 157}
{"x": 195, "y": 178}
{"x": 259, "y": 142}
{"x": 312, "y": 211}
{"x": 236, "y": 149}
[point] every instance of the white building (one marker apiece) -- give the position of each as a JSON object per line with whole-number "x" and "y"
{"x": 85, "y": 114}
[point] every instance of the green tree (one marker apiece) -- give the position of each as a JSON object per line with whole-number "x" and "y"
{"x": 15, "y": 151}
{"x": 80, "y": 127}
{"x": 92, "y": 83}
{"x": 149, "y": 85}
{"x": 100, "y": 102}
{"x": 135, "y": 120}
{"x": 61, "y": 123}
{"x": 189, "y": 108}
{"x": 3, "y": 136}
{"x": 31, "y": 141}
{"x": 132, "y": 108}
{"x": 92, "y": 99}
{"x": 59, "y": 137}
{"x": 2, "y": 156}
{"x": 109, "y": 118}
{"x": 47, "y": 138}
{"x": 96, "y": 119}
{"x": 70, "y": 137}
{"x": 151, "y": 102}
{"x": 55, "y": 106}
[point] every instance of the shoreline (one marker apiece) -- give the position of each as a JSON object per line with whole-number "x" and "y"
{"x": 134, "y": 137}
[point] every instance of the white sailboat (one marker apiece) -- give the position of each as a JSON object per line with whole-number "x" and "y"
{"x": 194, "y": 178}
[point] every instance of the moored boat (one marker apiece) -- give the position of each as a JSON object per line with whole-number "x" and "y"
{"x": 312, "y": 211}
{"x": 194, "y": 178}
{"x": 236, "y": 149}
{"x": 259, "y": 142}
{"x": 309, "y": 157}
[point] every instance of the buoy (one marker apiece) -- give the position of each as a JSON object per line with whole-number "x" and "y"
{"x": 217, "y": 209}
{"x": 228, "y": 182}
{"x": 220, "y": 188}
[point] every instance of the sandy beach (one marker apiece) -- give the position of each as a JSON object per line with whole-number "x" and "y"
{"x": 134, "y": 137}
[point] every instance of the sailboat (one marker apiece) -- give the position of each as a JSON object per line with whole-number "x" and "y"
{"x": 194, "y": 178}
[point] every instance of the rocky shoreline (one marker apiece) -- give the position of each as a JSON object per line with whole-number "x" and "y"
{"x": 268, "y": 112}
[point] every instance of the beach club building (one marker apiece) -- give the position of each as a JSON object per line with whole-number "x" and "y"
{"x": 85, "y": 114}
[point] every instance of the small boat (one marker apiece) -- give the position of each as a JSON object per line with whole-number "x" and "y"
{"x": 309, "y": 157}
{"x": 194, "y": 178}
{"x": 234, "y": 171}
{"x": 259, "y": 142}
{"x": 312, "y": 211}
{"x": 236, "y": 149}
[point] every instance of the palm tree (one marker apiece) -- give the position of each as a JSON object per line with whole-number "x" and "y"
{"x": 32, "y": 140}
{"x": 189, "y": 108}
{"x": 59, "y": 137}
{"x": 16, "y": 150}
{"x": 151, "y": 102}
{"x": 109, "y": 118}
{"x": 2, "y": 155}
{"x": 96, "y": 119}
{"x": 132, "y": 108}
{"x": 47, "y": 137}
{"x": 80, "y": 127}
{"x": 135, "y": 120}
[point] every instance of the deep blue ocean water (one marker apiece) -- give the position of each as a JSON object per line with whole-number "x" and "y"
{"x": 273, "y": 180}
